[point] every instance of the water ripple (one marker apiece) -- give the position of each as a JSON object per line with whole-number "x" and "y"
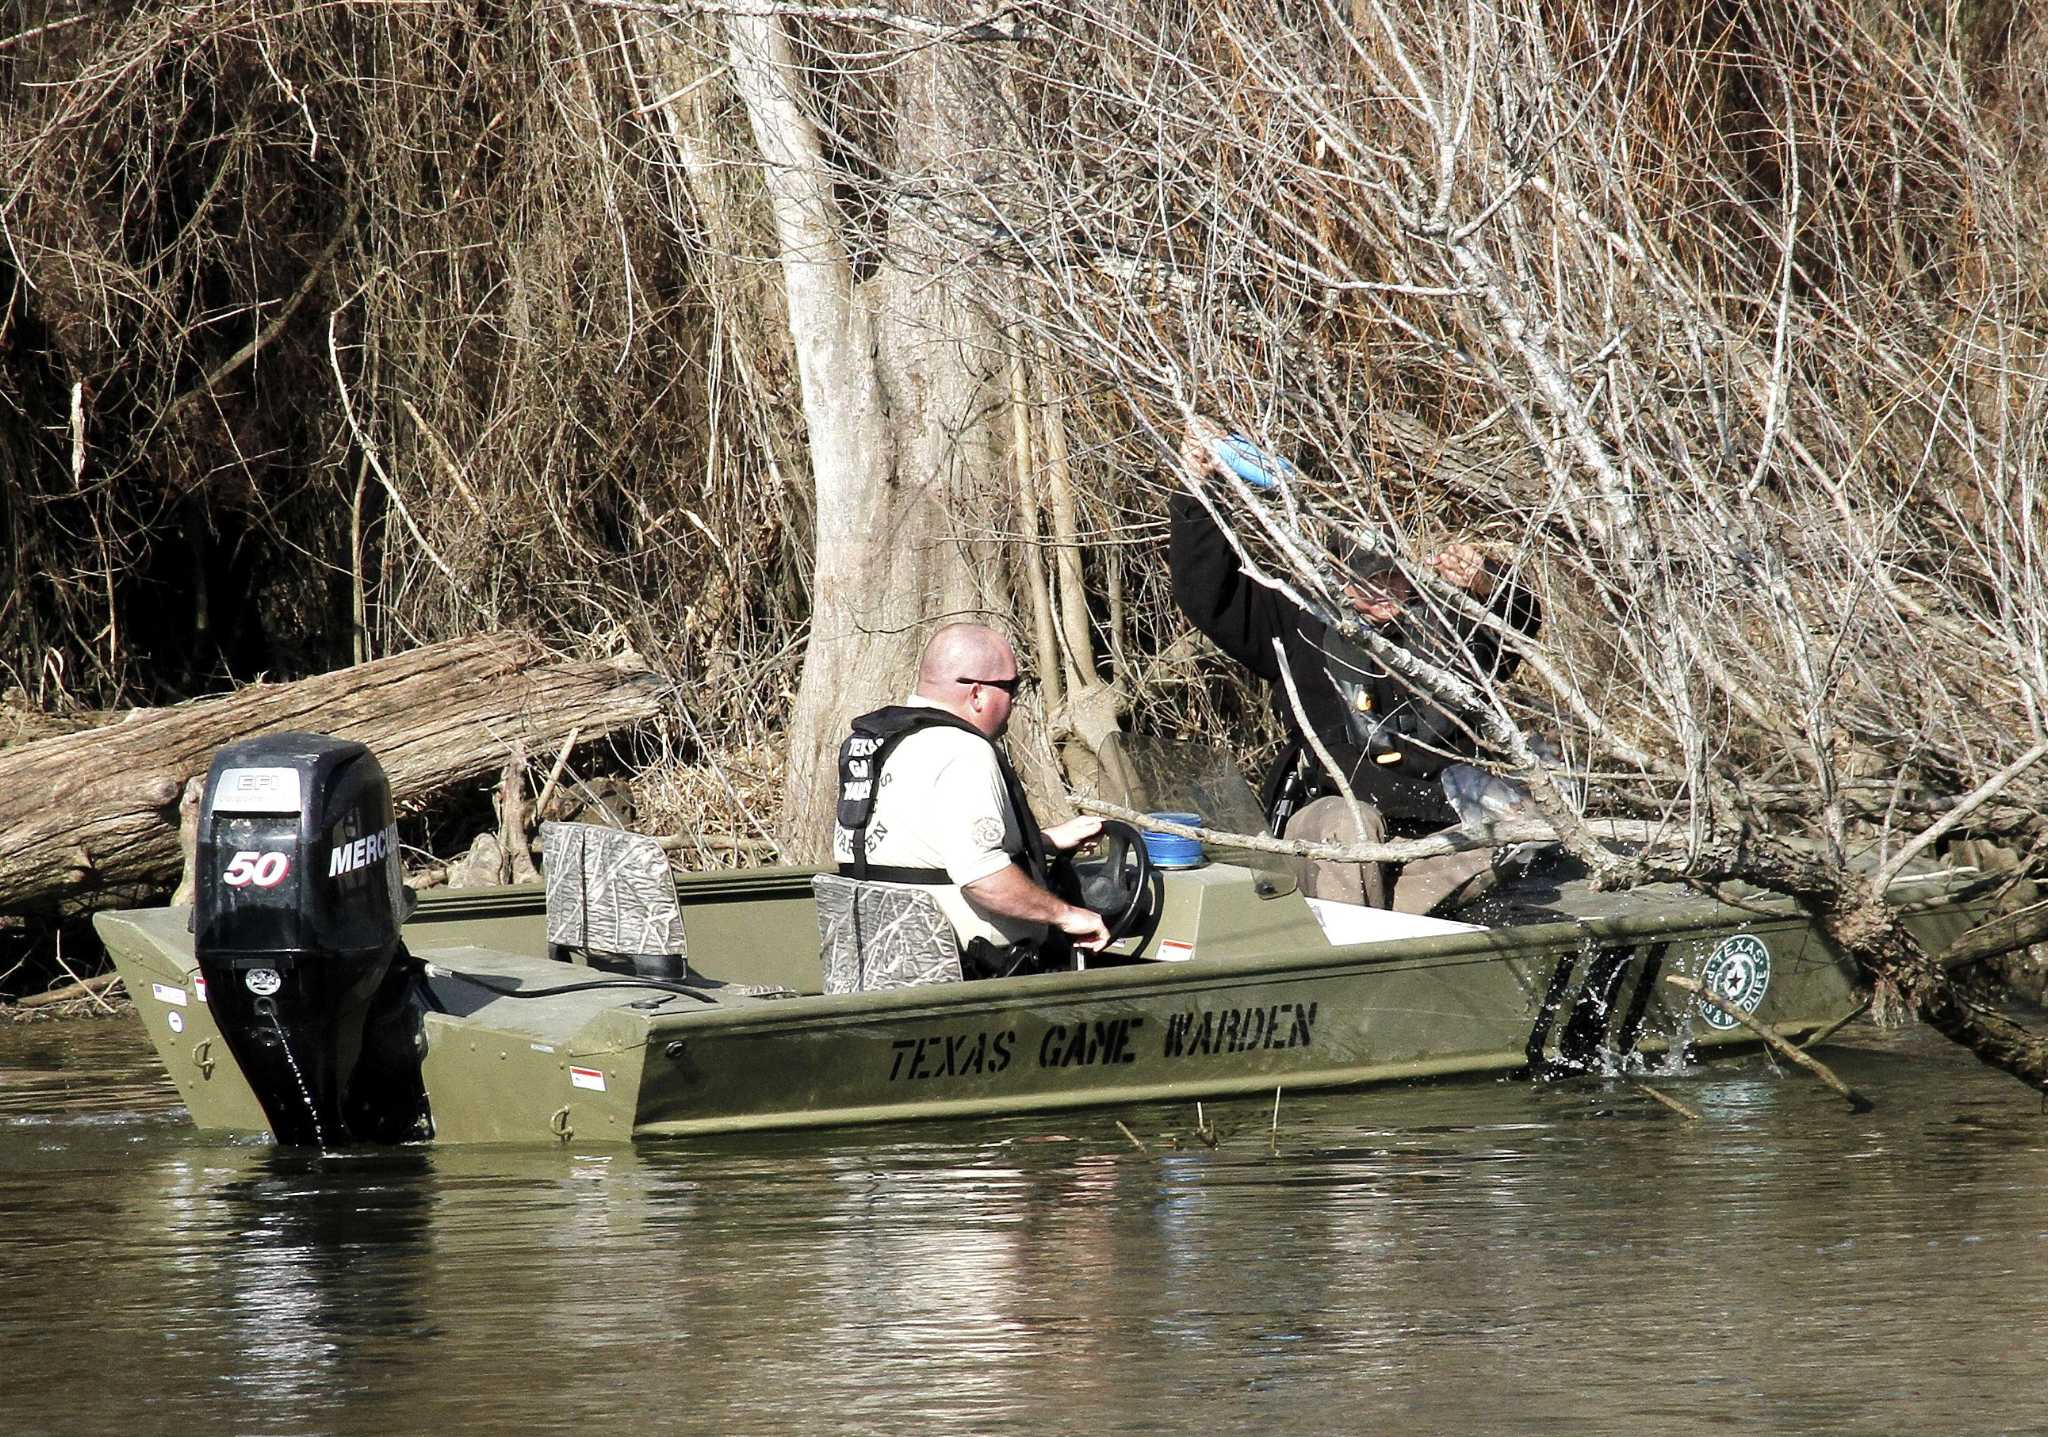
{"x": 1479, "y": 1256}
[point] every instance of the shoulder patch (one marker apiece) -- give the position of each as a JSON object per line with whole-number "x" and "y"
{"x": 988, "y": 832}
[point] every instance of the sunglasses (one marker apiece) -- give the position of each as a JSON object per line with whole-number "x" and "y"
{"x": 1008, "y": 686}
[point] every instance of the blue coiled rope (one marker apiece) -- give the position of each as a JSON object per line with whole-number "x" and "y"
{"x": 1170, "y": 850}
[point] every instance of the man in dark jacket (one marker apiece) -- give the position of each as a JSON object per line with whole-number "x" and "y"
{"x": 1391, "y": 740}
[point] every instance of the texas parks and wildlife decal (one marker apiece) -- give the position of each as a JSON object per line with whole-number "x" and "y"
{"x": 1739, "y": 969}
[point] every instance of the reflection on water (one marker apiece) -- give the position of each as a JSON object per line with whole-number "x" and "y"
{"x": 1481, "y": 1256}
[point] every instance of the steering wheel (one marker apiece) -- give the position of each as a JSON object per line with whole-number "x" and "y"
{"x": 1115, "y": 885}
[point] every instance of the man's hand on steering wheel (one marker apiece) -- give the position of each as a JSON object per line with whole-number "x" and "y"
{"x": 1070, "y": 835}
{"x": 1114, "y": 887}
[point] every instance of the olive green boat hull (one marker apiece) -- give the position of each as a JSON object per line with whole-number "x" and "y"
{"x": 1265, "y": 1003}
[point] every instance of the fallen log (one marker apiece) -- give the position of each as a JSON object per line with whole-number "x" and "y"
{"x": 71, "y": 992}
{"x": 91, "y": 818}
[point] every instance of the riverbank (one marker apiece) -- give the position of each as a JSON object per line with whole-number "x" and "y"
{"x": 94, "y": 999}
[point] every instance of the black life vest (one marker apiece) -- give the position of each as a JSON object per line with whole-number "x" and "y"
{"x": 1393, "y": 724}
{"x": 874, "y": 737}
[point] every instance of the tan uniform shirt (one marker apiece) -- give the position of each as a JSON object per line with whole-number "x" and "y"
{"x": 941, "y": 804}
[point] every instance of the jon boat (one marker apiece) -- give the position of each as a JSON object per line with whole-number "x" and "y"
{"x": 306, "y": 995}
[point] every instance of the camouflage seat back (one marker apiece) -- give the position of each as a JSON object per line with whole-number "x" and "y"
{"x": 876, "y": 935}
{"x": 609, "y": 891}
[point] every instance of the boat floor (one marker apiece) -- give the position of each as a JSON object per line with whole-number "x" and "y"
{"x": 573, "y": 995}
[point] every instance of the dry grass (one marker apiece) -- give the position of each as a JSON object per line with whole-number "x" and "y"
{"x": 330, "y": 328}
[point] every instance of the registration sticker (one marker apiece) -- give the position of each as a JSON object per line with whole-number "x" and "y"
{"x": 199, "y": 986}
{"x": 165, "y": 993}
{"x": 591, "y": 1078}
{"x": 1172, "y": 952}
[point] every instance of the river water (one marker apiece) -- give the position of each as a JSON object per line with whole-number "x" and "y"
{"x": 1479, "y": 1256}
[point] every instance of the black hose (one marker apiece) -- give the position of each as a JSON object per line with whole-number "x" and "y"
{"x": 699, "y": 994}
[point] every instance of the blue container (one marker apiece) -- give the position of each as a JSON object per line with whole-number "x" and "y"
{"x": 1170, "y": 850}
{"x": 1259, "y": 468}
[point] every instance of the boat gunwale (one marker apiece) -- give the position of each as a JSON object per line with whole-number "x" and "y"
{"x": 1913, "y": 893}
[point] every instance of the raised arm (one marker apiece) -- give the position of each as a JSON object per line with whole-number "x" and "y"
{"x": 1241, "y": 617}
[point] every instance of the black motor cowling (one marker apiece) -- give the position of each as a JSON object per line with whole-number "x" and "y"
{"x": 298, "y": 901}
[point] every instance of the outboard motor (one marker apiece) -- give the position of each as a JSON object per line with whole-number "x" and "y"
{"x": 298, "y": 901}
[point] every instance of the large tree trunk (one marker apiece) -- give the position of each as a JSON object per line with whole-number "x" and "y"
{"x": 89, "y": 817}
{"x": 897, "y": 391}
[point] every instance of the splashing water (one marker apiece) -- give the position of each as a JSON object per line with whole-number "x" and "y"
{"x": 298, "y": 1076}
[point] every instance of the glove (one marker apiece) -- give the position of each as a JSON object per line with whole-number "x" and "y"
{"x": 1480, "y": 798}
{"x": 1259, "y": 468}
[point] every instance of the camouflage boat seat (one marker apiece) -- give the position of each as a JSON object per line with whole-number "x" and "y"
{"x": 878, "y": 935}
{"x": 610, "y": 895}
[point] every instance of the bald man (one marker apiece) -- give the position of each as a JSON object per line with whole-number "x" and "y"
{"x": 928, "y": 797}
